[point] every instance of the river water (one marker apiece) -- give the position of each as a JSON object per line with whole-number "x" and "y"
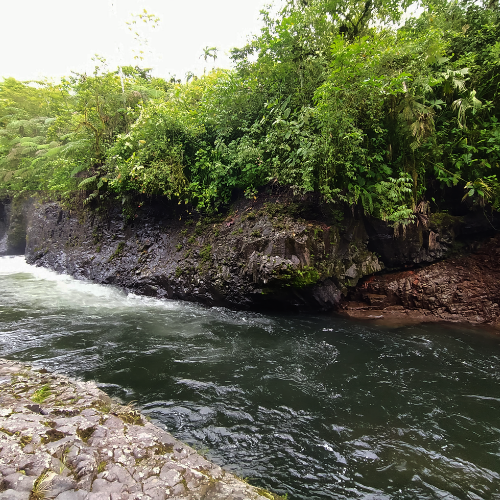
{"x": 313, "y": 406}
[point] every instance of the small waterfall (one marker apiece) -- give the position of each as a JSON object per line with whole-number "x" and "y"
{"x": 3, "y": 244}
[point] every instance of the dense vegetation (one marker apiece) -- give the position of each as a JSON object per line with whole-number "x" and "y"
{"x": 337, "y": 98}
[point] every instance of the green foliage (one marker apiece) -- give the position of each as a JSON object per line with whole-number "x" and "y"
{"x": 298, "y": 277}
{"x": 118, "y": 251}
{"x": 330, "y": 97}
{"x": 42, "y": 394}
{"x": 271, "y": 496}
{"x": 206, "y": 253}
{"x": 52, "y": 134}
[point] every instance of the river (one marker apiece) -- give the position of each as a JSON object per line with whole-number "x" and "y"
{"x": 317, "y": 407}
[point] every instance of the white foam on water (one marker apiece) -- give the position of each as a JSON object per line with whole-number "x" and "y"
{"x": 41, "y": 288}
{"x": 48, "y": 288}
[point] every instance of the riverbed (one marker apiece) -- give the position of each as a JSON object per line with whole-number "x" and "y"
{"x": 313, "y": 406}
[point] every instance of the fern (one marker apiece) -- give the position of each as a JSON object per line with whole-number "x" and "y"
{"x": 88, "y": 183}
{"x": 53, "y": 151}
{"x": 465, "y": 103}
{"x": 75, "y": 146}
{"x": 79, "y": 168}
{"x": 90, "y": 197}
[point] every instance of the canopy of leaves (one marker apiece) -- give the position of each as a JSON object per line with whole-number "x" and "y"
{"x": 331, "y": 97}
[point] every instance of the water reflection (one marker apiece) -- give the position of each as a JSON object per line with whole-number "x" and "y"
{"x": 318, "y": 407}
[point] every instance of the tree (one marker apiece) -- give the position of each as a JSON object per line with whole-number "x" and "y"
{"x": 209, "y": 52}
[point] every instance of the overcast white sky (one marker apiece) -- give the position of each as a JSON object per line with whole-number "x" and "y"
{"x": 49, "y": 38}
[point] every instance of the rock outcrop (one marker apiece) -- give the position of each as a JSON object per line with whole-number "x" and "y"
{"x": 259, "y": 255}
{"x": 430, "y": 240}
{"x": 13, "y": 226}
{"x": 459, "y": 289}
{"x": 67, "y": 440}
{"x": 266, "y": 254}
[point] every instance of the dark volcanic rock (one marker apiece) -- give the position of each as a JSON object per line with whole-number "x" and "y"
{"x": 429, "y": 241}
{"x": 417, "y": 244}
{"x": 264, "y": 255}
{"x": 4, "y": 224}
{"x": 13, "y": 220}
{"x": 252, "y": 258}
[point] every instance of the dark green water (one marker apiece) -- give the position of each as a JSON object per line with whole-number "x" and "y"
{"x": 313, "y": 406}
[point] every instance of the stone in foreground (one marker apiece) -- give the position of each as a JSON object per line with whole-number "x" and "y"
{"x": 67, "y": 440}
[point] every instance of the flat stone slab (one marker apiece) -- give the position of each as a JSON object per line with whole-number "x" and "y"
{"x": 65, "y": 439}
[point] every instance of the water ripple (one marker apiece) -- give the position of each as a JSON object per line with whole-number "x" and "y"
{"x": 316, "y": 407}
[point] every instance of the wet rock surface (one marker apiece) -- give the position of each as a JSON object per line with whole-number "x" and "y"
{"x": 4, "y": 225}
{"x": 67, "y": 440}
{"x": 13, "y": 223}
{"x": 264, "y": 254}
{"x": 459, "y": 289}
{"x": 257, "y": 256}
{"x": 430, "y": 239}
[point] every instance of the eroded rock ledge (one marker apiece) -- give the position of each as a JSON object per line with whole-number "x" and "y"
{"x": 461, "y": 289}
{"x": 67, "y": 440}
{"x": 262, "y": 255}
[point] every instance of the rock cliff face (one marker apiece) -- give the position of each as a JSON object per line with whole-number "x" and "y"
{"x": 268, "y": 254}
{"x": 463, "y": 289}
{"x": 259, "y": 255}
{"x": 13, "y": 226}
{"x": 430, "y": 240}
{"x": 4, "y": 226}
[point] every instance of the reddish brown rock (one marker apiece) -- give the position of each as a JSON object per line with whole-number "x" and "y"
{"x": 464, "y": 289}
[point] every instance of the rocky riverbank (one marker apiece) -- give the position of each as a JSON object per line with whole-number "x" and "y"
{"x": 458, "y": 289}
{"x": 67, "y": 440}
{"x": 261, "y": 254}
{"x": 274, "y": 252}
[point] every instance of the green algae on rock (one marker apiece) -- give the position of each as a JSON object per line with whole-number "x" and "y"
{"x": 75, "y": 443}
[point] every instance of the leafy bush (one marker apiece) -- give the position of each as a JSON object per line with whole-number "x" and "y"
{"x": 330, "y": 97}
